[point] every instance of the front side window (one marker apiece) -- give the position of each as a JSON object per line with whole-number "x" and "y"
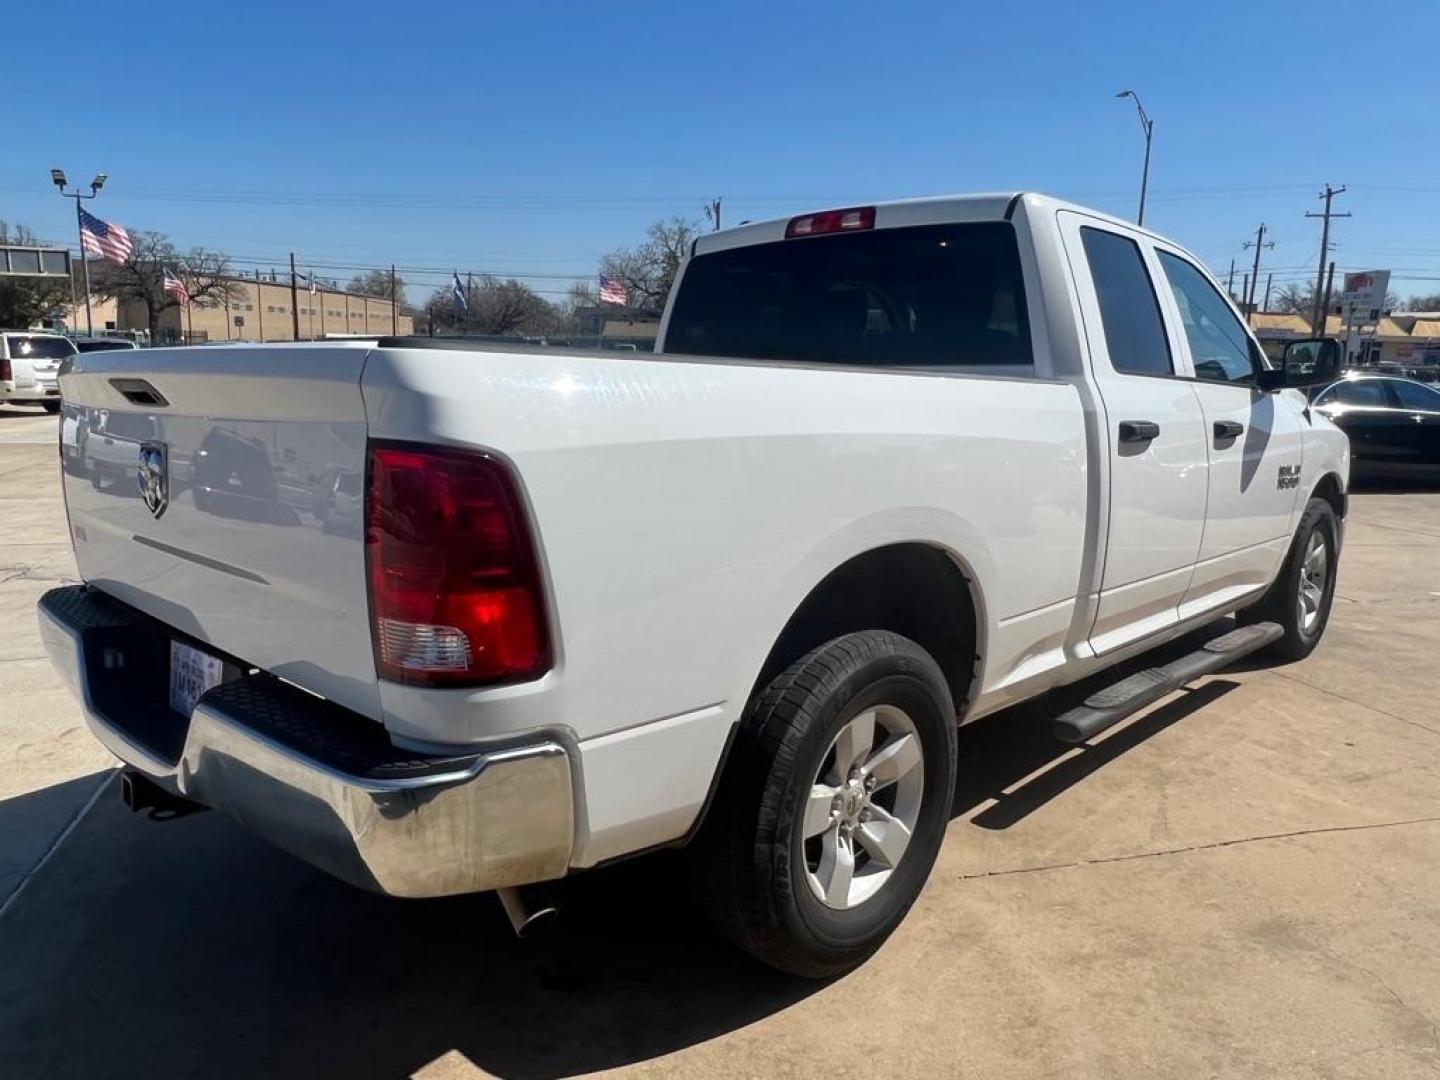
{"x": 923, "y": 296}
{"x": 1367, "y": 392}
{"x": 1219, "y": 346}
{"x": 1134, "y": 331}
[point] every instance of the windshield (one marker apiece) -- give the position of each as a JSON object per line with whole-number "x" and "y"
{"x": 925, "y": 296}
{"x": 40, "y": 348}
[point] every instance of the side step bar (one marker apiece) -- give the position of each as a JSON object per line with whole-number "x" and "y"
{"x": 1108, "y": 707}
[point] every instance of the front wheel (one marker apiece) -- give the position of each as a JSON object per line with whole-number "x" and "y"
{"x": 833, "y": 806}
{"x": 51, "y": 406}
{"x": 1301, "y": 596}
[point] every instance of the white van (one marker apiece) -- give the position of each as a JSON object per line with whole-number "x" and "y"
{"x": 30, "y": 367}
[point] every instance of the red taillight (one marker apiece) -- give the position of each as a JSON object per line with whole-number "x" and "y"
{"x": 831, "y": 221}
{"x": 5, "y": 375}
{"x": 455, "y": 597}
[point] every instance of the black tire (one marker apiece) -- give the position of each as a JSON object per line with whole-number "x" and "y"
{"x": 750, "y": 860}
{"x": 1281, "y": 602}
{"x": 51, "y": 406}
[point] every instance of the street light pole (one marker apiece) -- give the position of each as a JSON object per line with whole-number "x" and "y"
{"x": 57, "y": 177}
{"x": 1148, "y": 126}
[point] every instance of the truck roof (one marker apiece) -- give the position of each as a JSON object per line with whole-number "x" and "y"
{"x": 930, "y": 210}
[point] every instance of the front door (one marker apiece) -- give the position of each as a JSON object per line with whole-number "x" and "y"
{"x": 1153, "y": 427}
{"x": 1254, "y": 442}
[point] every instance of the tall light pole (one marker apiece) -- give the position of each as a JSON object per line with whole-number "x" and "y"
{"x": 57, "y": 177}
{"x": 1148, "y": 126}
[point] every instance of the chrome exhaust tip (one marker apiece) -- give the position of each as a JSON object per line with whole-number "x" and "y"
{"x": 529, "y": 910}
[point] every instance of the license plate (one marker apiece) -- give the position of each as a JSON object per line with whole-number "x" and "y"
{"x": 192, "y": 672}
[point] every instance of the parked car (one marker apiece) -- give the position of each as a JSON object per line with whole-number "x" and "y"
{"x": 29, "y": 365}
{"x": 1393, "y": 423}
{"x": 893, "y": 468}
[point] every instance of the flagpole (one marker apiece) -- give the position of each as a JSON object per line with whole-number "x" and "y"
{"x": 85, "y": 265}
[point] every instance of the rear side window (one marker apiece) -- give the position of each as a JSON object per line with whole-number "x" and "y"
{"x": 1414, "y": 396}
{"x": 1134, "y": 331}
{"x": 926, "y": 296}
{"x": 40, "y": 348}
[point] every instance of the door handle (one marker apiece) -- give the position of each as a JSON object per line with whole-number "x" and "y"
{"x": 1228, "y": 429}
{"x": 1138, "y": 431}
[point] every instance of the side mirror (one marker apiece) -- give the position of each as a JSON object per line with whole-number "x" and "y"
{"x": 1313, "y": 362}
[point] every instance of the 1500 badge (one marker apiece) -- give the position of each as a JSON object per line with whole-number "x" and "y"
{"x": 1289, "y": 477}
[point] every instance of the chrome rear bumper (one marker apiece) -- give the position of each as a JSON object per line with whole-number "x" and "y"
{"x": 319, "y": 781}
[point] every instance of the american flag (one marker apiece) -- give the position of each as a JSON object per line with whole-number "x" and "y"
{"x": 175, "y": 287}
{"x": 612, "y": 292}
{"x": 102, "y": 240}
{"x": 458, "y": 292}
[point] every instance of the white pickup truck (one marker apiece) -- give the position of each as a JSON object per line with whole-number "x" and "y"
{"x": 893, "y": 468}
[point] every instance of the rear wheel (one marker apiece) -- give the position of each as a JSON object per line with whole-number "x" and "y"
{"x": 1301, "y": 595}
{"x": 833, "y": 806}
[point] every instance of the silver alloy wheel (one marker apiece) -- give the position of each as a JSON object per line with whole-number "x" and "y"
{"x": 863, "y": 806}
{"x": 1314, "y": 575}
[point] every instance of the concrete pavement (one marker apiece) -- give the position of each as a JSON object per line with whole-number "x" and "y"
{"x": 1242, "y": 881}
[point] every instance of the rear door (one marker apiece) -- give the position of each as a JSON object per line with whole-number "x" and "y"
{"x": 1416, "y": 436}
{"x": 1254, "y": 441}
{"x": 1154, "y": 427}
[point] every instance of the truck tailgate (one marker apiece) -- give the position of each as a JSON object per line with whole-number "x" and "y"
{"x": 258, "y": 547}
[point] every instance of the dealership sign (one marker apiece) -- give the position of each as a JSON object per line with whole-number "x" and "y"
{"x": 1364, "y": 293}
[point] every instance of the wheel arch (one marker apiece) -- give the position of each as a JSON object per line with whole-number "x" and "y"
{"x": 918, "y": 590}
{"x": 1332, "y": 491}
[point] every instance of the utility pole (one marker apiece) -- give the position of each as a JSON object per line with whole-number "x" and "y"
{"x": 469, "y": 298}
{"x": 712, "y": 213}
{"x": 394, "y": 305}
{"x": 1325, "y": 309}
{"x": 294, "y": 300}
{"x": 1265, "y": 305}
{"x": 1257, "y": 244}
{"x": 1316, "y": 323}
{"x": 1245, "y": 292}
{"x": 260, "y": 307}
{"x": 1230, "y": 280}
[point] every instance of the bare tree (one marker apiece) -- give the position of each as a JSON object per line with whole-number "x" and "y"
{"x": 140, "y": 277}
{"x": 377, "y": 283}
{"x": 1294, "y": 298}
{"x": 1423, "y": 303}
{"x": 579, "y": 299}
{"x": 28, "y": 300}
{"x": 648, "y": 271}
{"x": 494, "y": 307}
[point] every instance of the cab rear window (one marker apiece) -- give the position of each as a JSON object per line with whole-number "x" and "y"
{"x": 924, "y": 296}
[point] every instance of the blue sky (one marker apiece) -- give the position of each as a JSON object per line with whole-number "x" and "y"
{"x": 529, "y": 139}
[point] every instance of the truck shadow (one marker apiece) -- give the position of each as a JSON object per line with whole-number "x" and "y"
{"x": 194, "y": 949}
{"x": 1013, "y": 762}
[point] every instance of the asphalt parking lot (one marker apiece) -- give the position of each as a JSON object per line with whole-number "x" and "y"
{"x": 1242, "y": 881}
